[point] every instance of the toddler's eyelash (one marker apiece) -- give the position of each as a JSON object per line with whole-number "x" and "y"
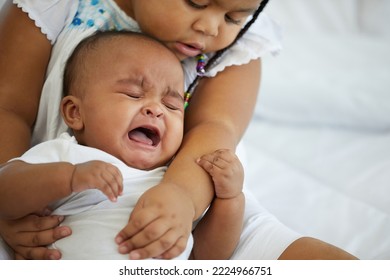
{"x": 194, "y": 5}
{"x": 229, "y": 19}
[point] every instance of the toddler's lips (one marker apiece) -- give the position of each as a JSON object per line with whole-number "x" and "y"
{"x": 189, "y": 50}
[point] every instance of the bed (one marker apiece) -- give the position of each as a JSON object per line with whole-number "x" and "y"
{"x": 318, "y": 147}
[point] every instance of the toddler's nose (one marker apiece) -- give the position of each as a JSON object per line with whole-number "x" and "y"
{"x": 208, "y": 25}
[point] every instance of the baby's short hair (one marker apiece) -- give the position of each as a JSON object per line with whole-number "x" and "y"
{"x": 76, "y": 60}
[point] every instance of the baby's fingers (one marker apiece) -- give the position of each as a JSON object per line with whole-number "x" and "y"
{"x": 98, "y": 175}
{"x": 112, "y": 186}
{"x": 216, "y": 160}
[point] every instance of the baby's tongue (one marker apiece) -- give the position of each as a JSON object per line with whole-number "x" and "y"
{"x": 140, "y": 136}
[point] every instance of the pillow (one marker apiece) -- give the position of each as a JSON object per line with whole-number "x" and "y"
{"x": 336, "y": 16}
{"x": 328, "y": 79}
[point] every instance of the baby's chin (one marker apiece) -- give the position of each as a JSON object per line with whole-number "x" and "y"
{"x": 144, "y": 163}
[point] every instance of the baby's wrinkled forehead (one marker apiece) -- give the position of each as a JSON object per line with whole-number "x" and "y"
{"x": 137, "y": 46}
{"x": 116, "y": 55}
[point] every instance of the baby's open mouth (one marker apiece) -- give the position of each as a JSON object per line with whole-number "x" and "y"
{"x": 147, "y": 136}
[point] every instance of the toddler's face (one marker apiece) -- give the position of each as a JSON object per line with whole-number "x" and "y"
{"x": 133, "y": 103}
{"x": 190, "y": 27}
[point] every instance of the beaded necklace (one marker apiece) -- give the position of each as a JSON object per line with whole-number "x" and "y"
{"x": 200, "y": 72}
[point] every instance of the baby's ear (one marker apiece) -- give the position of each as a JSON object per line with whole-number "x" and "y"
{"x": 70, "y": 110}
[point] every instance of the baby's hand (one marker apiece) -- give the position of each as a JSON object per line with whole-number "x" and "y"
{"x": 98, "y": 175}
{"x": 226, "y": 171}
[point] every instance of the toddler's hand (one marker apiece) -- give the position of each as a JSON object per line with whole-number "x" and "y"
{"x": 159, "y": 225}
{"x": 29, "y": 236}
{"x": 226, "y": 171}
{"x": 98, "y": 175}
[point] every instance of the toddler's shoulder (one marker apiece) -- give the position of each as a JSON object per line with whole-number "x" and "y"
{"x": 49, "y": 15}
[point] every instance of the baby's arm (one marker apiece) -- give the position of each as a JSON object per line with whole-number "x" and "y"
{"x": 217, "y": 234}
{"x": 26, "y": 188}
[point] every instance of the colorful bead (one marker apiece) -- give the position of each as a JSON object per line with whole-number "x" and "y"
{"x": 201, "y": 72}
{"x": 187, "y": 97}
{"x": 200, "y": 65}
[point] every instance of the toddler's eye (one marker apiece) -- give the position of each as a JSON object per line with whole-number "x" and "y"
{"x": 232, "y": 20}
{"x": 197, "y": 4}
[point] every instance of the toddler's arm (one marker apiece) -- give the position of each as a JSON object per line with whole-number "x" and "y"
{"x": 218, "y": 232}
{"x": 26, "y": 188}
{"x": 24, "y": 55}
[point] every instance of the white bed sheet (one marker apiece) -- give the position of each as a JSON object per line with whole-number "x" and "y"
{"x": 318, "y": 146}
{"x": 327, "y": 183}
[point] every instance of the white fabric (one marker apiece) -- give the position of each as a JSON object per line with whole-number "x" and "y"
{"x": 318, "y": 145}
{"x": 95, "y": 220}
{"x": 330, "y": 80}
{"x": 263, "y": 237}
{"x": 334, "y": 59}
{"x": 369, "y": 17}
